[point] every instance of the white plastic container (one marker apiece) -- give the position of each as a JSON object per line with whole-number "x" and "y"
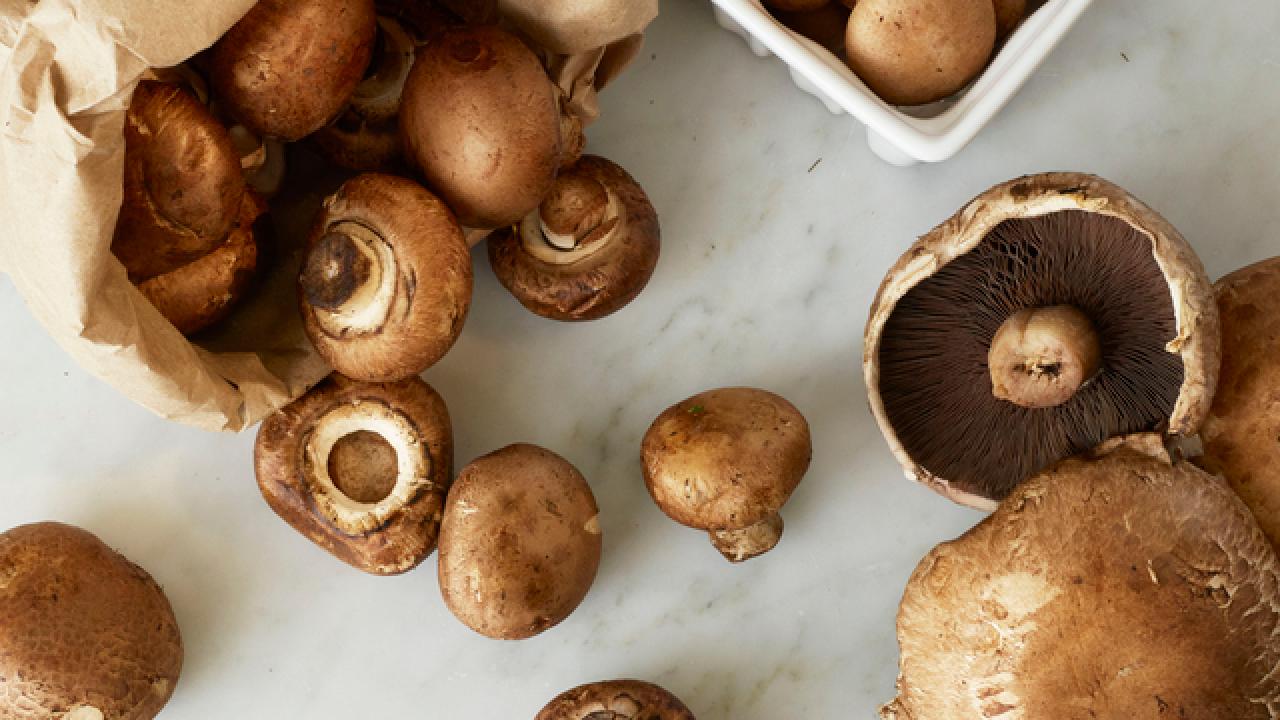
{"x": 930, "y": 133}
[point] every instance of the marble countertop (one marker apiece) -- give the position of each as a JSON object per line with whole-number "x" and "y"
{"x": 778, "y": 223}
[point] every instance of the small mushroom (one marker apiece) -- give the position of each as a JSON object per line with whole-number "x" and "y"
{"x": 589, "y": 248}
{"x": 386, "y": 279}
{"x": 616, "y": 700}
{"x": 726, "y": 461}
{"x": 520, "y": 542}
{"x": 825, "y": 26}
{"x": 288, "y": 67}
{"x": 360, "y": 469}
{"x": 84, "y": 633}
{"x": 567, "y": 27}
{"x": 1051, "y": 313}
{"x": 1119, "y": 586}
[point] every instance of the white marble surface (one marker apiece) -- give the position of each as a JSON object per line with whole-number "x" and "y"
{"x": 767, "y": 273}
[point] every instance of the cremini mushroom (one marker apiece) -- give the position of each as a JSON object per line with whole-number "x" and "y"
{"x": 825, "y": 26}
{"x": 386, "y": 279}
{"x": 616, "y": 700}
{"x": 84, "y": 633}
{"x": 586, "y": 251}
{"x": 288, "y": 67}
{"x": 1113, "y": 586}
{"x": 797, "y": 5}
{"x": 726, "y": 461}
{"x": 520, "y": 542}
{"x": 1009, "y": 15}
{"x": 566, "y": 27}
{"x": 360, "y": 469}
{"x": 1051, "y": 313}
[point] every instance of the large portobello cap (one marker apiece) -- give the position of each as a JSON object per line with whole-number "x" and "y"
{"x": 616, "y": 700}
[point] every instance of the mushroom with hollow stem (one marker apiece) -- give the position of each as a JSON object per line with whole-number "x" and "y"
{"x": 586, "y": 251}
{"x": 288, "y": 67}
{"x": 616, "y": 700}
{"x": 567, "y": 27}
{"x": 84, "y": 633}
{"x": 360, "y": 469}
{"x": 520, "y": 542}
{"x": 970, "y": 315}
{"x": 1112, "y": 586}
{"x": 726, "y": 461}
{"x": 386, "y": 279}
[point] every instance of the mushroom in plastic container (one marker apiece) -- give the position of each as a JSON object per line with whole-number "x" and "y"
{"x": 1051, "y": 313}
{"x": 1112, "y": 586}
{"x": 84, "y": 633}
{"x": 360, "y": 469}
{"x": 386, "y": 279}
{"x": 616, "y": 700}
{"x": 586, "y": 251}
{"x": 725, "y": 461}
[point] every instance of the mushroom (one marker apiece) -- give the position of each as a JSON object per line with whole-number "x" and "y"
{"x": 726, "y": 461}
{"x": 1243, "y": 424}
{"x": 586, "y": 251}
{"x": 84, "y": 633}
{"x": 386, "y": 279}
{"x": 913, "y": 52}
{"x": 978, "y": 375}
{"x": 568, "y": 27}
{"x": 360, "y": 469}
{"x": 825, "y": 26}
{"x": 1009, "y": 15}
{"x": 289, "y": 66}
{"x": 481, "y": 120}
{"x": 616, "y": 700}
{"x": 1118, "y": 586}
{"x": 520, "y": 542}
{"x": 796, "y": 5}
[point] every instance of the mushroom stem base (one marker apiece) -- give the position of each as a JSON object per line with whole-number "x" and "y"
{"x": 1040, "y": 357}
{"x": 746, "y": 543}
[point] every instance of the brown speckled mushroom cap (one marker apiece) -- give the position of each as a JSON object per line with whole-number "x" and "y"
{"x": 520, "y": 543}
{"x": 616, "y": 700}
{"x": 587, "y": 251}
{"x": 84, "y": 633}
{"x": 1111, "y": 587}
{"x": 386, "y": 283}
{"x": 726, "y": 461}
{"x": 1052, "y": 240}
{"x": 360, "y": 469}
{"x": 1240, "y": 435}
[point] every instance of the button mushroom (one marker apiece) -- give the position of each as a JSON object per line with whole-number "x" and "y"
{"x": 520, "y": 542}
{"x": 386, "y": 281}
{"x": 1051, "y": 313}
{"x": 84, "y": 633}
{"x": 616, "y": 700}
{"x": 726, "y": 461}
{"x": 1113, "y": 587}
{"x": 589, "y": 248}
{"x": 566, "y": 27}
{"x": 360, "y": 469}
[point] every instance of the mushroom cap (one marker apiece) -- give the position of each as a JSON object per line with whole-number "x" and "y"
{"x": 1009, "y": 15}
{"x": 726, "y": 459}
{"x": 432, "y": 280}
{"x": 82, "y": 629}
{"x": 567, "y": 27}
{"x": 481, "y": 120}
{"x": 603, "y": 279}
{"x": 520, "y": 542}
{"x": 297, "y": 459}
{"x": 1244, "y": 422}
{"x": 620, "y": 699}
{"x": 182, "y": 183}
{"x": 925, "y": 348}
{"x": 289, "y": 66}
{"x": 1110, "y": 587}
{"x": 797, "y": 5}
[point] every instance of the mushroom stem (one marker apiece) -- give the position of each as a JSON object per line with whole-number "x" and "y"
{"x": 350, "y": 275}
{"x": 748, "y": 542}
{"x": 1040, "y": 357}
{"x": 576, "y": 213}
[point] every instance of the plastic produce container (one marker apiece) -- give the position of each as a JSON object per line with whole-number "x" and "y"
{"x": 905, "y": 136}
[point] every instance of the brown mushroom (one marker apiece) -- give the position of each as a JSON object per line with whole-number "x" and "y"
{"x": 616, "y": 700}
{"x": 289, "y": 66}
{"x": 1119, "y": 586}
{"x": 726, "y": 461}
{"x": 567, "y": 27}
{"x": 481, "y": 120}
{"x": 825, "y": 26}
{"x": 84, "y": 633}
{"x": 1009, "y": 15}
{"x": 796, "y": 5}
{"x": 1243, "y": 424}
{"x": 386, "y": 280}
{"x": 979, "y": 379}
{"x": 520, "y": 542}
{"x": 360, "y": 469}
{"x": 587, "y": 251}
